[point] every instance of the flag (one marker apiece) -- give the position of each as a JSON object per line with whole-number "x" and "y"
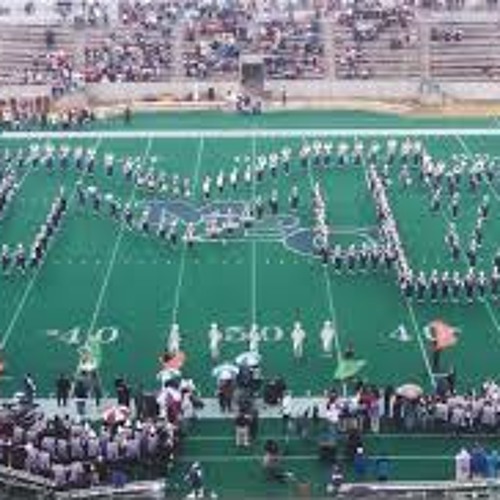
{"x": 443, "y": 334}
{"x": 348, "y": 368}
{"x": 95, "y": 350}
{"x": 91, "y": 355}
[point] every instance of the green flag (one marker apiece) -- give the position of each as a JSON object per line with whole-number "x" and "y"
{"x": 95, "y": 350}
{"x": 90, "y": 355}
{"x": 348, "y": 368}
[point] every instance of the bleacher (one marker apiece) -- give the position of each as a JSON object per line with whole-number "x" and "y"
{"x": 465, "y": 50}
{"x": 387, "y": 52}
{"x": 24, "y": 48}
{"x": 162, "y": 45}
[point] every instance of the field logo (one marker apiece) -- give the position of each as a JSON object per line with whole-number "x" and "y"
{"x": 78, "y": 336}
{"x": 240, "y": 334}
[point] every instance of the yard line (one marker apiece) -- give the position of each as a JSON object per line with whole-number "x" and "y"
{"x": 260, "y": 133}
{"x": 329, "y": 295}
{"x": 253, "y": 278}
{"x": 114, "y": 253}
{"x": 366, "y": 436}
{"x": 180, "y": 276}
{"x": 301, "y": 458}
{"x": 27, "y": 291}
{"x": 421, "y": 346}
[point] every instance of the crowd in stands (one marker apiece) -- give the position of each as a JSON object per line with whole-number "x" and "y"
{"x": 55, "y": 68}
{"x": 215, "y": 38}
{"x": 75, "y": 453}
{"x": 292, "y": 45}
{"x": 138, "y": 50}
{"x": 134, "y": 56}
{"x": 138, "y": 44}
{"x": 294, "y": 48}
{"x": 366, "y": 25}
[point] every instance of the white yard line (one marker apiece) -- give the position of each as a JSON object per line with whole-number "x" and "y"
{"x": 253, "y": 278}
{"x": 114, "y": 253}
{"x": 302, "y": 458}
{"x": 31, "y": 283}
{"x": 329, "y": 294}
{"x": 182, "y": 266}
{"x": 260, "y": 133}
{"x": 423, "y": 351}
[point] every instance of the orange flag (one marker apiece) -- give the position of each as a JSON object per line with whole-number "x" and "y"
{"x": 444, "y": 334}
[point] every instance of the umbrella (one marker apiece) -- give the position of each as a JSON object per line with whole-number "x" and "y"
{"x": 168, "y": 374}
{"x": 115, "y": 414}
{"x": 410, "y": 391}
{"x": 176, "y": 362}
{"x": 249, "y": 358}
{"x": 348, "y": 368}
{"x": 225, "y": 371}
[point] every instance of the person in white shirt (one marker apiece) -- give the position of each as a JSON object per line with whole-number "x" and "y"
{"x": 327, "y": 335}
{"x": 298, "y": 337}
{"x": 174, "y": 339}
{"x": 215, "y": 337}
{"x": 462, "y": 465}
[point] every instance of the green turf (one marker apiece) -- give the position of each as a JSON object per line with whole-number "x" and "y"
{"x": 150, "y": 285}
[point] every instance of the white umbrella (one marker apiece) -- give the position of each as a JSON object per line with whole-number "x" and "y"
{"x": 115, "y": 414}
{"x": 410, "y": 391}
{"x": 249, "y": 358}
{"x": 225, "y": 371}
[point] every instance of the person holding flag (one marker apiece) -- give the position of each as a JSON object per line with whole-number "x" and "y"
{"x": 90, "y": 356}
{"x": 442, "y": 336}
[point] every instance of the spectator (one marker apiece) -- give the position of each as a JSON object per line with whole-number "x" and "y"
{"x": 242, "y": 436}
{"x": 360, "y": 464}
{"x": 29, "y": 388}
{"x": 462, "y": 465}
{"x": 80, "y": 393}
{"x": 63, "y": 386}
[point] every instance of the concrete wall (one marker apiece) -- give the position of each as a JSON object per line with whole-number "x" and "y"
{"x": 24, "y": 91}
{"x": 109, "y": 93}
{"x": 368, "y": 89}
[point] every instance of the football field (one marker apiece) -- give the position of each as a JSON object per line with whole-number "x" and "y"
{"x": 126, "y": 288}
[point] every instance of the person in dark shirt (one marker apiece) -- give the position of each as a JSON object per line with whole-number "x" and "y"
{"x": 63, "y": 386}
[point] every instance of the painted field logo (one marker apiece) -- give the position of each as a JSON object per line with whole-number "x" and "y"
{"x": 240, "y": 334}
{"x": 78, "y": 336}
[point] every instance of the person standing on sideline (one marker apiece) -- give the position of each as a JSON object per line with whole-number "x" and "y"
{"x": 462, "y": 465}
{"x": 29, "y": 388}
{"x": 298, "y": 337}
{"x": 327, "y": 335}
{"x": 215, "y": 337}
{"x": 242, "y": 431}
{"x": 63, "y": 387}
{"x": 284, "y": 96}
{"x": 286, "y": 415}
